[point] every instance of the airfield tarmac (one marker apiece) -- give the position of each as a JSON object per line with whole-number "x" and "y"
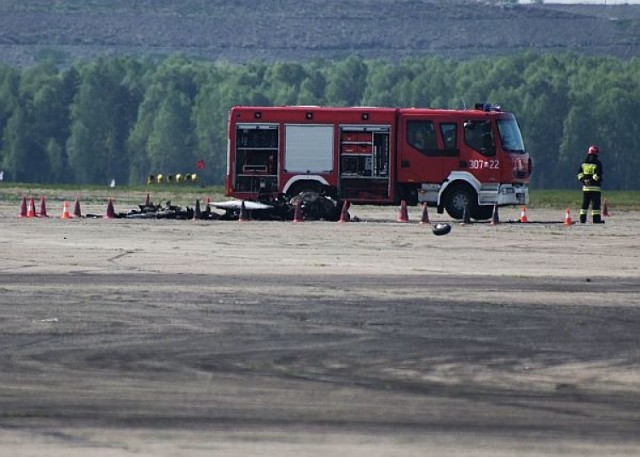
{"x": 374, "y": 338}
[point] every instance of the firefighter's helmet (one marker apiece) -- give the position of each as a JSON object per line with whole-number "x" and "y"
{"x": 593, "y": 149}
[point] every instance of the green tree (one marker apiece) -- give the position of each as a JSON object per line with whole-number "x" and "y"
{"x": 162, "y": 140}
{"x": 282, "y": 82}
{"x": 101, "y": 118}
{"x": 40, "y": 118}
{"x": 431, "y": 84}
{"x": 312, "y": 88}
{"x": 384, "y": 83}
{"x": 170, "y": 145}
{"x": 9, "y": 95}
{"x": 210, "y": 119}
{"x": 18, "y": 144}
{"x": 346, "y": 82}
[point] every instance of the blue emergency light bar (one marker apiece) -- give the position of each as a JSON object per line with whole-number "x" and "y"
{"x": 487, "y": 107}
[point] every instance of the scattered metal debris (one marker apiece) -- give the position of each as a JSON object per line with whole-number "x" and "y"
{"x": 314, "y": 206}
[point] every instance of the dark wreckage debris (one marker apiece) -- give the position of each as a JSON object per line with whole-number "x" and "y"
{"x": 314, "y": 206}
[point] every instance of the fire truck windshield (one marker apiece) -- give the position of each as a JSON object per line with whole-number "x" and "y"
{"x": 510, "y": 136}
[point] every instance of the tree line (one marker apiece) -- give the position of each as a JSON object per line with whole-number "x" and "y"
{"x": 126, "y": 117}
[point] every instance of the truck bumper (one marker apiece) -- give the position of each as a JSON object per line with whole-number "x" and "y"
{"x": 513, "y": 194}
{"x": 503, "y": 194}
{"x": 488, "y": 194}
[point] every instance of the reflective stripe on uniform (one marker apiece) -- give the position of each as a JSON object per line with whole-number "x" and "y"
{"x": 591, "y": 188}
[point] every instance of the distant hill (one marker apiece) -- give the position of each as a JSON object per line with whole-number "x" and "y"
{"x": 246, "y": 30}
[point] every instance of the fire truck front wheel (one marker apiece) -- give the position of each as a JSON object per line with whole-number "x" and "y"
{"x": 461, "y": 197}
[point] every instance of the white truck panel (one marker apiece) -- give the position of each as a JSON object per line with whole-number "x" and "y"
{"x": 308, "y": 148}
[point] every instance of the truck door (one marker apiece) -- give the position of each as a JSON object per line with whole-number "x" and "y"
{"x": 480, "y": 154}
{"x": 429, "y": 149}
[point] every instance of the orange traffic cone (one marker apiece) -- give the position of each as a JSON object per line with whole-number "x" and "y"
{"x": 31, "y": 212}
{"x": 567, "y": 218}
{"x": 403, "y": 214}
{"x": 76, "y": 209}
{"x": 495, "y": 218}
{"x": 297, "y": 213}
{"x": 523, "y": 215}
{"x": 244, "y": 215}
{"x": 23, "y": 207}
{"x": 344, "y": 213}
{"x": 425, "y": 214}
{"x": 43, "y": 208}
{"x": 111, "y": 213}
{"x": 147, "y": 201}
{"x": 65, "y": 211}
{"x": 605, "y": 208}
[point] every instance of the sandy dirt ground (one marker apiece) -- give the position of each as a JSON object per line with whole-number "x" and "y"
{"x": 374, "y": 338}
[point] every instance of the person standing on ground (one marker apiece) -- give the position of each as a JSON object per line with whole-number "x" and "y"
{"x": 590, "y": 175}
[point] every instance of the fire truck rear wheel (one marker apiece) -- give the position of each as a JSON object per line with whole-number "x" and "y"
{"x": 459, "y": 198}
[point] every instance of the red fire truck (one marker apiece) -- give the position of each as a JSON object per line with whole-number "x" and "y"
{"x": 452, "y": 159}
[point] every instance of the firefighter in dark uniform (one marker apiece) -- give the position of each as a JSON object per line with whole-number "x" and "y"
{"x": 590, "y": 175}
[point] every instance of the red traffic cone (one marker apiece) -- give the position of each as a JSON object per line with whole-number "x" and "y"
{"x": 43, "y": 208}
{"x": 344, "y": 213}
{"x": 567, "y": 218}
{"x": 65, "y": 211}
{"x": 403, "y": 214}
{"x": 147, "y": 201}
{"x": 605, "y": 208}
{"x": 523, "y": 215}
{"x": 425, "y": 214}
{"x": 495, "y": 218}
{"x": 111, "y": 213}
{"x": 31, "y": 212}
{"x": 76, "y": 209}
{"x": 23, "y": 207}
{"x": 297, "y": 214}
{"x": 244, "y": 215}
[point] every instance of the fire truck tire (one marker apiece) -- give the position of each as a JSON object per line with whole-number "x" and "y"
{"x": 460, "y": 197}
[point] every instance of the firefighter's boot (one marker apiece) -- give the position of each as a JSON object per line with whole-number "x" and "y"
{"x": 583, "y": 217}
{"x": 597, "y": 219}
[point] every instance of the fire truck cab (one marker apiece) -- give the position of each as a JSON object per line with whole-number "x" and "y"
{"x": 455, "y": 160}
